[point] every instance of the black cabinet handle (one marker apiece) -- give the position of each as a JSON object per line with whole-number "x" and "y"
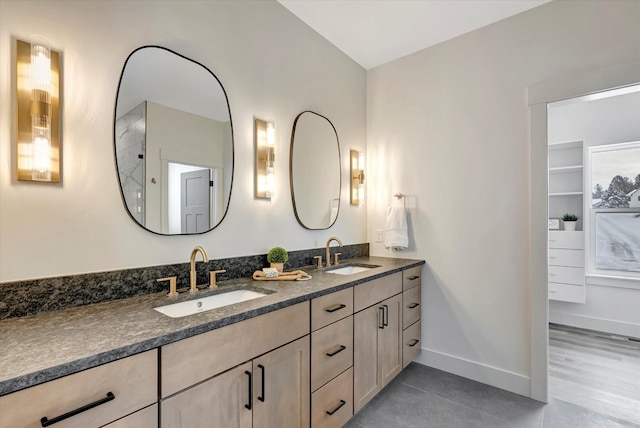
{"x": 381, "y": 318}
{"x": 261, "y": 397}
{"x": 47, "y": 422}
{"x": 413, "y": 343}
{"x": 331, "y": 412}
{"x": 248, "y": 405}
{"x": 413, "y": 305}
{"x": 335, "y": 307}
{"x": 340, "y": 349}
{"x": 385, "y": 320}
{"x": 414, "y": 277}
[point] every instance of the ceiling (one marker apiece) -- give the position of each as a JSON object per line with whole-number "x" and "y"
{"x": 374, "y": 32}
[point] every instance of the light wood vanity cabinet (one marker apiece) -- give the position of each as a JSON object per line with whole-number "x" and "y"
{"x": 377, "y": 330}
{"x": 116, "y": 389}
{"x": 411, "y": 304}
{"x": 255, "y": 372}
{"x": 332, "y": 359}
{"x": 269, "y": 391}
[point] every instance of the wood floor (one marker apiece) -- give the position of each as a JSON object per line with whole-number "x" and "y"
{"x": 595, "y": 371}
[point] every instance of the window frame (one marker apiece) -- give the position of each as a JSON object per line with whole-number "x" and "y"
{"x": 594, "y": 276}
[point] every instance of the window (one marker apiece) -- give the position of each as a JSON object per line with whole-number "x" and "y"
{"x": 613, "y": 213}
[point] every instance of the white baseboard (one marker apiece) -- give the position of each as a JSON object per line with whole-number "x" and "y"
{"x": 598, "y": 324}
{"x": 493, "y": 376}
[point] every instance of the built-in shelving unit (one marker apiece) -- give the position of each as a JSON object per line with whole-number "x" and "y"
{"x": 566, "y": 195}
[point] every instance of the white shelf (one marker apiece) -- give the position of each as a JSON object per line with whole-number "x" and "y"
{"x": 569, "y": 168}
{"x": 565, "y": 145}
{"x": 567, "y": 194}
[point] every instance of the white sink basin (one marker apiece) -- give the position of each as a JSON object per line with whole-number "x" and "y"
{"x": 350, "y": 270}
{"x": 190, "y": 307}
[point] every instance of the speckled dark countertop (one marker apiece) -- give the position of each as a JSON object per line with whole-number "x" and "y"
{"x": 36, "y": 349}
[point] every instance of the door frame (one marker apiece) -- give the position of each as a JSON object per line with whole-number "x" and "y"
{"x": 539, "y": 95}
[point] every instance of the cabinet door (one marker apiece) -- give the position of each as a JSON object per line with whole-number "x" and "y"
{"x": 218, "y": 402}
{"x": 145, "y": 418}
{"x": 366, "y": 376}
{"x": 281, "y": 387}
{"x": 389, "y": 345}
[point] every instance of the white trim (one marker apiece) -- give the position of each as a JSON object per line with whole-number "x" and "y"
{"x": 613, "y": 281}
{"x": 503, "y": 379}
{"x": 621, "y": 328}
{"x": 539, "y": 94}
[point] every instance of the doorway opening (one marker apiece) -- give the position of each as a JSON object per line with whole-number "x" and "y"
{"x": 594, "y": 263}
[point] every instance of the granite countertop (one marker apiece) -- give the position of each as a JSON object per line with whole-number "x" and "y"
{"x": 36, "y": 349}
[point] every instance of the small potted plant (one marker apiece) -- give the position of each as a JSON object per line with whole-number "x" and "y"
{"x": 277, "y": 256}
{"x": 569, "y": 221}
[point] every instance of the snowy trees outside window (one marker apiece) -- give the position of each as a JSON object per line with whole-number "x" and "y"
{"x": 615, "y": 207}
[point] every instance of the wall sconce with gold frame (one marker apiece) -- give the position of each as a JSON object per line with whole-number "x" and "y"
{"x": 357, "y": 177}
{"x": 38, "y": 111}
{"x": 264, "y": 137}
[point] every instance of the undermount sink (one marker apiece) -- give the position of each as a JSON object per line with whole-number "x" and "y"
{"x": 351, "y": 269}
{"x": 190, "y": 307}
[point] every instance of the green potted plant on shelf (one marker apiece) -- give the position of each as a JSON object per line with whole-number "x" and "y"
{"x": 569, "y": 221}
{"x": 277, "y": 256}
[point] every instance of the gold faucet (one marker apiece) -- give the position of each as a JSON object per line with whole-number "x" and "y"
{"x": 192, "y": 262}
{"x": 333, "y": 238}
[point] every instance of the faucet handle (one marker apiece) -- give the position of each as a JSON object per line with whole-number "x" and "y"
{"x": 173, "y": 281}
{"x": 335, "y": 258}
{"x": 212, "y": 278}
{"x": 319, "y": 259}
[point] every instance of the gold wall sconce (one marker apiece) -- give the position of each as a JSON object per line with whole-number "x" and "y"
{"x": 357, "y": 177}
{"x": 38, "y": 112}
{"x": 264, "y": 137}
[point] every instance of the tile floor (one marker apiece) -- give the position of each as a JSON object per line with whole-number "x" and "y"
{"x": 423, "y": 397}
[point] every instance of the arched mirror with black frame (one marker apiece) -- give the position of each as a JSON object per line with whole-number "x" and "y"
{"x": 314, "y": 171}
{"x": 173, "y": 143}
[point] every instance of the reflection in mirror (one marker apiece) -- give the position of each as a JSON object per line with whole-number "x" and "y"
{"x": 173, "y": 143}
{"x": 315, "y": 171}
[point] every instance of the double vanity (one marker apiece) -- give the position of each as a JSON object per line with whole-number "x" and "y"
{"x": 303, "y": 353}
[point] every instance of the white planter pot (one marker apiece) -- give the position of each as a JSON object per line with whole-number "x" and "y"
{"x": 570, "y": 225}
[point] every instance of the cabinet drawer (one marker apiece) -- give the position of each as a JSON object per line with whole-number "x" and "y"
{"x": 132, "y": 380}
{"x": 566, "y": 239}
{"x": 567, "y": 292}
{"x": 411, "y": 277}
{"x": 331, "y": 351}
{"x": 332, "y": 405}
{"x": 145, "y": 418}
{"x": 567, "y": 275}
{"x": 410, "y": 343}
{"x": 197, "y": 358}
{"x": 560, "y": 257}
{"x": 331, "y": 308}
{"x": 372, "y": 292}
{"x": 410, "y": 306}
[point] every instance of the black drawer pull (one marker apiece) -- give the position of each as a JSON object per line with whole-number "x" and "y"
{"x": 340, "y": 349}
{"x": 385, "y": 321}
{"x": 46, "y": 422}
{"x": 335, "y": 307}
{"x": 413, "y": 343}
{"x": 261, "y": 397}
{"x": 331, "y": 412}
{"x": 413, "y": 305}
{"x": 414, "y": 277}
{"x": 381, "y": 318}
{"x": 248, "y": 405}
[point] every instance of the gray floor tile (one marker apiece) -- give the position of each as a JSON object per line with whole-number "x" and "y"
{"x": 400, "y": 405}
{"x": 559, "y": 414}
{"x": 516, "y": 409}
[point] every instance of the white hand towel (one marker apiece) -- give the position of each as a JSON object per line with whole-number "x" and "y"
{"x": 396, "y": 235}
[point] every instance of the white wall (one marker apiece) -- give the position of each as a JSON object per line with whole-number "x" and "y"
{"x": 604, "y": 121}
{"x": 448, "y": 126}
{"x": 271, "y": 65}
